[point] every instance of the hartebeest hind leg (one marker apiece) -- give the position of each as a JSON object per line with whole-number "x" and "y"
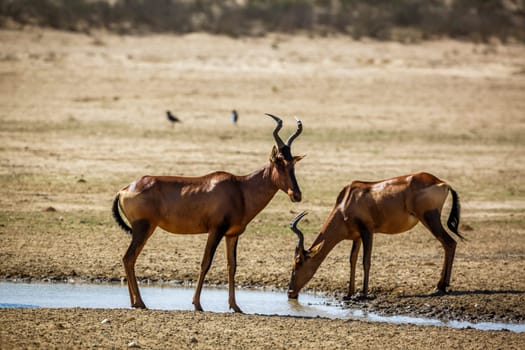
{"x": 431, "y": 219}
{"x": 140, "y": 232}
{"x": 214, "y": 238}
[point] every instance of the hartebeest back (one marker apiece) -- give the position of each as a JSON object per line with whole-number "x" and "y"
{"x": 389, "y": 206}
{"x": 220, "y": 204}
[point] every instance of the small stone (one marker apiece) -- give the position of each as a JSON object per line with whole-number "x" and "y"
{"x": 133, "y": 344}
{"x": 104, "y": 321}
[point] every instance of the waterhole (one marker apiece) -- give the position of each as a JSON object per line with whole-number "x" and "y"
{"x": 169, "y": 297}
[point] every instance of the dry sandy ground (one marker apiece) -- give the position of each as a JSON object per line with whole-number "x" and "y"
{"x": 83, "y": 115}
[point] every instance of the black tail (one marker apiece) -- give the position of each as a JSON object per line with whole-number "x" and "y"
{"x": 453, "y": 218}
{"x": 118, "y": 218}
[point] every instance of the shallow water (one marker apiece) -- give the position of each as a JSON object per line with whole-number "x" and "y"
{"x": 168, "y": 297}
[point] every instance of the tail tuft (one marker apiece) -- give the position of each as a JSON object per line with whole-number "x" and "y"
{"x": 118, "y": 217}
{"x": 455, "y": 211}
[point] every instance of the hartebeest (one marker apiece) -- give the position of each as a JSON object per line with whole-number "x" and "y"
{"x": 220, "y": 204}
{"x": 389, "y": 206}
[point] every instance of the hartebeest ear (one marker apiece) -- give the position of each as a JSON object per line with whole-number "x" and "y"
{"x": 273, "y": 155}
{"x": 314, "y": 250}
{"x": 298, "y": 158}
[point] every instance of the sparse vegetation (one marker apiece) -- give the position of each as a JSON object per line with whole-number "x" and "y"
{"x": 404, "y": 20}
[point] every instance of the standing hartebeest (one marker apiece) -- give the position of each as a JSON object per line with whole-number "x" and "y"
{"x": 220, "y": 204}
{"x": 389, "y": 206}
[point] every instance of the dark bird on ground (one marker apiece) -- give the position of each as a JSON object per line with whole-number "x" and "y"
{"x": 235, "y": 116}
{"x": 172, "y": 118}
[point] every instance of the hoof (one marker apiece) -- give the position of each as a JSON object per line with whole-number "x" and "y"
{"x": 441, "y": 288}
{"x": 197, "y": 307}
{"x": 236, "y": 309}
{"x": 439, "y": 292}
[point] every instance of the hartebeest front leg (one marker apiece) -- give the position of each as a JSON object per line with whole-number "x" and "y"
{"x": 367, "y": 238}
{"x": 231, "y": 252}
{"x": 214, "y": 238}
{"x": 356, "y": 244}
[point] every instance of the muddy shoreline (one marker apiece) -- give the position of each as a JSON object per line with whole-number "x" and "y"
{"x": 382, "y": 303}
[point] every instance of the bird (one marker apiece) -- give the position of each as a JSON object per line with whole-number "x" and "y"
{"x": 235, "y": 116}
{"x": 172, "y": 118}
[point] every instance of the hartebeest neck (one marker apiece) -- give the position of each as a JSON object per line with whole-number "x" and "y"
{"x": 330, "y": 235}
{"x": 258, "y": 190}
{"x": 329, "y": 242}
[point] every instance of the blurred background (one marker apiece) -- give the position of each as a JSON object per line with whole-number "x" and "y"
{"x": 403, "y": 20}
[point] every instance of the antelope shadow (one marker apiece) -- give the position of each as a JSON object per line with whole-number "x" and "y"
{"x": 466, "y": 292}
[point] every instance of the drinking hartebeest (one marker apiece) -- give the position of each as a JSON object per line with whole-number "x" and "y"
{"x": 220, "y": 204}
{"x": 389, "y": 206}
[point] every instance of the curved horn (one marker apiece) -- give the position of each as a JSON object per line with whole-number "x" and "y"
{"x": 278, "y": 140}
{"x": 296, "y": 133}
{"x": 293, "y": 227}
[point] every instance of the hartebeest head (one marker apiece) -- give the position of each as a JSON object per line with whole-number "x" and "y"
{"x": 283, "y": 169}
{"x": 302, "y": 272}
